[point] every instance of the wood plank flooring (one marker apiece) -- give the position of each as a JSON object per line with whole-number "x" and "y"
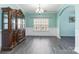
{"x": 44, "y": 45}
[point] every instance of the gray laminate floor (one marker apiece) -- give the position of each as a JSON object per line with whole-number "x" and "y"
{"x": 44, "y": 45}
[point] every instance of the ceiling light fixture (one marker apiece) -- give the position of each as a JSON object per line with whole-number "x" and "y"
{"x": 39, "y": 9}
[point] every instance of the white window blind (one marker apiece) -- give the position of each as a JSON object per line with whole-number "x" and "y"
{"x": 40, "y": 24}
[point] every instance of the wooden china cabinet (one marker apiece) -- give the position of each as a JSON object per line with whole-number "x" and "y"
{"x": 13, "y": 31}
{"x": 20, "y": 26}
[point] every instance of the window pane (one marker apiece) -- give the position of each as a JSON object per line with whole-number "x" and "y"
{"x": 13, "y": 22}
{"x": 41, "y": 24}
{"x": 19, "y": 23}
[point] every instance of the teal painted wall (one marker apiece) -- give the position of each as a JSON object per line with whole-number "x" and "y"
{"x": 66, "y": 28}
{"x": 51, "y": 16}
{"x": 63, "y": 18}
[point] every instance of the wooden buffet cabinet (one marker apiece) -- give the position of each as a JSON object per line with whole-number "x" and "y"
{"x": 13, "y": 28}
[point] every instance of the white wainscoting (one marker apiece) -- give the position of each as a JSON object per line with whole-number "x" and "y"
{"x": 50, "y": 32}
{"x": 0, "y": 39}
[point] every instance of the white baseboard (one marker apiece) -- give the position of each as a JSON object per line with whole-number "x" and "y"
{"x": 76, "y": 50}
{"x": 59, "y": 37}
{"x": 50, "y": 32}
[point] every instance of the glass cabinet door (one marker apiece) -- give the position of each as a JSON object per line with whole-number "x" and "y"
{"x": 23, "y": 23}
{"x": 13, "y": 22}
{"x": 19, "y": 23}
{"x": 5, "y": 21}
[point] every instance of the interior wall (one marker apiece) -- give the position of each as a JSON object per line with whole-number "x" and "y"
{"x": 52, "y": 24}
{"x": 66, "y": 28}
{"x": 77, "y": 28}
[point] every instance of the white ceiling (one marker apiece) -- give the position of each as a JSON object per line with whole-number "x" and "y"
{"x": 45, "y": 7}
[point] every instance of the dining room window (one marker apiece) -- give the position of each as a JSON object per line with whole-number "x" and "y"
{"x": 41, "y": 24}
